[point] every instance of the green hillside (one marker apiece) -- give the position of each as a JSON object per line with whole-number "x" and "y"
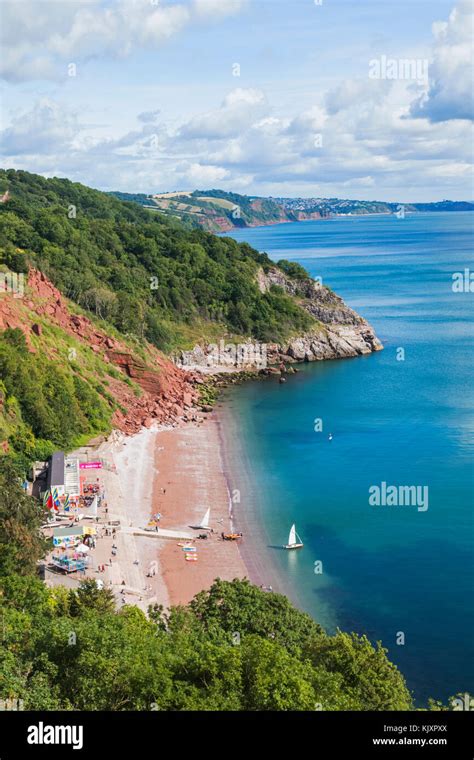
{"x": 146, "y": 275}
{"x": 220, "y": 210}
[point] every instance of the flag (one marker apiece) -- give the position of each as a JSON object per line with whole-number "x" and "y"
{"x": 56, "y": 502}
{"x": 48, "y": 500}
{"x": 67, "y": 503}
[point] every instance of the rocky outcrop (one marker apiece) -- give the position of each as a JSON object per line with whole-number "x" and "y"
{"x": 339, "y": 332}
{"x": 337, "y": 342}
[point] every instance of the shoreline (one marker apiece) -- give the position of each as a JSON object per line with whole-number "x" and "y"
{"x": 257, "y": 549}
{"x": 189, "y": 479}
{"x": 180, "y": 472}
{"x": 315, "y": 219}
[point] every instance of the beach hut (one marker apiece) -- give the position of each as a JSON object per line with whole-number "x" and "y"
{"x": 55, "y": 478}
{"x": 72, "y": 477}
{"x": 70, "y": 536}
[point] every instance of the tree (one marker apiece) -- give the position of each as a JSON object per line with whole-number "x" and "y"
{"x": 90, "y": 597}
{"x": 240, "y": 606}
{"x": 368, "y": 676}
{"x": 21, "y": 541}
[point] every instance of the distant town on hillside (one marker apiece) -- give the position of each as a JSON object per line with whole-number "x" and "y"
{"x": 219, "y": 210}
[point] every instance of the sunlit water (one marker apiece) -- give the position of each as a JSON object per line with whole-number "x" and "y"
{"x": 386, "y": 570}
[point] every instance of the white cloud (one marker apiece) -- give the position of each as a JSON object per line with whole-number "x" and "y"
{"x": 450, "y": 92}
{"x": 198, "y": 175}
{"x": 239, "y": 109}
{"x": 364, "y": 146}
{"x": 40, "y": 38}
{"x": 370, "y": 140}
{"x": 353, "y": 92}
{"x": 218, "y": 8}
{"x": 148, "y": 117}
{"x": 46, "y": 128}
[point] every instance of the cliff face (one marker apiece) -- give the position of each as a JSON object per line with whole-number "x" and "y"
{"x": 167, "y": 393}
{"x": 339, "y": 332}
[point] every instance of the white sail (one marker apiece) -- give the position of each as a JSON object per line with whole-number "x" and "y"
{"x": 292, "y": 536}
{"x": 93, "y": 507}
{"x": 205, "y": 520}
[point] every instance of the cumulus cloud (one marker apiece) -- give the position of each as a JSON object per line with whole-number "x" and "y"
{"x": 46, "y": 128}
{"x": 450, "y": 93}
{"x": 361, "y": 134}
{"x": 199, "y": 175}
{"x": 353, "y": 92}
{"x": 40, "y": 38}
{"x": 239, "y": 109}
{"x": 148, "y": 117}
{"x": 374, "y": 145}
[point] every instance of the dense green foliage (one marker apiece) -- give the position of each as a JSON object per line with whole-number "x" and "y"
{"x": 141, "y": 198}
{"x": 293, "y": 269}
{"x": 45, "y": 404}
{"x": 21, "y": 542}
{"x": 70, "y": 649}
{"x": 251, "y": 210}
{"x": 145, "y": 275}
{"x": 233, "y": 647}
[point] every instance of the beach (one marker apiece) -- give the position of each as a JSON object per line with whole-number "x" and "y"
{"x": 177, "y": 472}
{"x": 189, "y": 479}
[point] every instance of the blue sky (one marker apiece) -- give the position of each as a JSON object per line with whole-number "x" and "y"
{"x": 155, "y": 103}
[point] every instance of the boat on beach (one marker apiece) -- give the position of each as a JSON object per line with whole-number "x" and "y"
{"x": 294, "y": 540}
{"x": 204, "y": 524}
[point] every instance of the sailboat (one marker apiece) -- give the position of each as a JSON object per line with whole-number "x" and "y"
{"x": 204, "y": 524}
{"x": 294, "y": 541}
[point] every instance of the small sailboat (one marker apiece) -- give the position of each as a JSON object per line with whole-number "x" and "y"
{"x": 330, "y": 437}
{"x": 294, "y": 541}
{"x": 204, "y": 524}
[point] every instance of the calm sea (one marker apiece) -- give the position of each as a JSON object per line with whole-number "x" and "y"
{"x": 403, "y": 416}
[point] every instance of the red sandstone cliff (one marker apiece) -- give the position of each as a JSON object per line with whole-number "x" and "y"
{"x": 169, "y": 393}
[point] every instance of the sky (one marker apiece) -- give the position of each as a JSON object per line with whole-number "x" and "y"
{"x": 367, "y": 99}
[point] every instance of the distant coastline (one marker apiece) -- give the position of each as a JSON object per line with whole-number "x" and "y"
{"x": 221, "y": 211}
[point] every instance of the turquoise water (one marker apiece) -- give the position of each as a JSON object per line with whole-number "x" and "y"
{"x": 386, "y": 570}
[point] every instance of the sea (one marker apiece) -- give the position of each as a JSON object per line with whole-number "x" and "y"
{"x": 403, "y": 417}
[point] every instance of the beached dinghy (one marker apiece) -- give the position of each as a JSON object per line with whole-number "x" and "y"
{"x": 294, "y": 541}
{"x": 204, "y": 524}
